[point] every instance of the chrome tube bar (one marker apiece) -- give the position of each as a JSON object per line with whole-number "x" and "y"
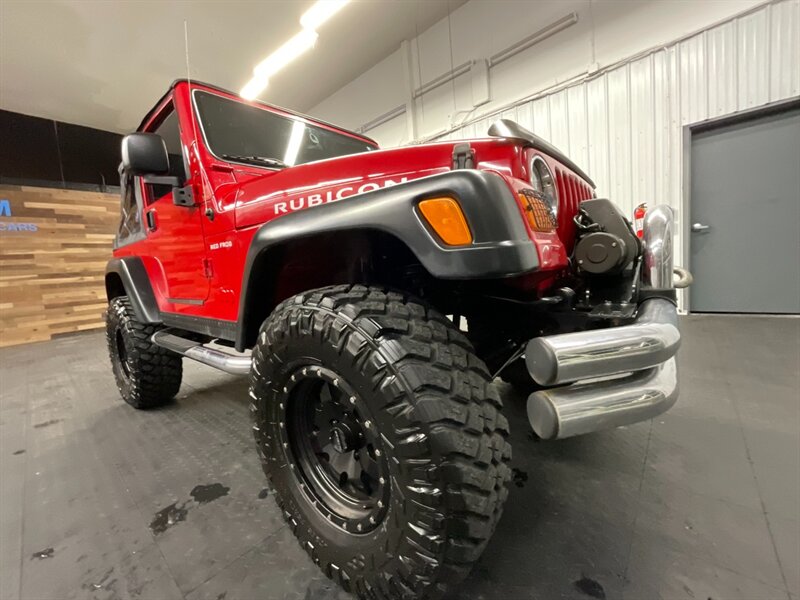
{"x": 230, "y": 363}
{"x": 652, "y": 339}
{"x": 593, "y": 406}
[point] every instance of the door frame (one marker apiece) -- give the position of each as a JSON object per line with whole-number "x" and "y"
{"x": 687, "y": 131}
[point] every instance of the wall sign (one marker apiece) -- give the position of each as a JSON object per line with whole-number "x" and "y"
{"x": 5, "y": 211}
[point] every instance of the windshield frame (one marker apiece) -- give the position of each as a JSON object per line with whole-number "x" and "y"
{"x": 275, "y": 111}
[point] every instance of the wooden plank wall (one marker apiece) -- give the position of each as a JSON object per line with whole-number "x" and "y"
{"x": 53, "y": 251}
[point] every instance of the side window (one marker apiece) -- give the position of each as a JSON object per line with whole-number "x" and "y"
{"x": 169, "y": 130}
{"x": 130, "y": 222}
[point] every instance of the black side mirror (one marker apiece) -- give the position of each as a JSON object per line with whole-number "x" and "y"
{"x": 144, "y": 154}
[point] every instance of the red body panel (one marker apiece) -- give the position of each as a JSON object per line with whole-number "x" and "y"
{"x": 196, "y": 264}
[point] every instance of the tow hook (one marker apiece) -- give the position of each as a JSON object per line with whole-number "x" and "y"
{"x": 683, "y": 278}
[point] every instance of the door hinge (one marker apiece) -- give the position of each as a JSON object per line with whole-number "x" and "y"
{"x": 208, "y": 268}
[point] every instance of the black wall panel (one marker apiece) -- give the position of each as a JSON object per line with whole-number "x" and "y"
{"x": 43, "y": 151}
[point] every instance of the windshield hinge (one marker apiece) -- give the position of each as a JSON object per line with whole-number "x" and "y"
{"x": 463, "y": 156}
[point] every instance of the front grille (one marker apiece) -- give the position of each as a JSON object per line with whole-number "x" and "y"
{"x": 571, "y": 192}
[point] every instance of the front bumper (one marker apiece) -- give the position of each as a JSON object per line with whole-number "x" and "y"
{"x": 620, "y": 375}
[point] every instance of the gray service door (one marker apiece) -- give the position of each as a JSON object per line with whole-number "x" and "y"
{"x": 745, "y": 217}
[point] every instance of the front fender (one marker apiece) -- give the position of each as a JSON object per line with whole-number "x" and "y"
{"x": 500, "y": 248}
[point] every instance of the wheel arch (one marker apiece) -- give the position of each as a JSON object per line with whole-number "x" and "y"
{"x": 357, "y": 255}
{"x": 127, "y": 276}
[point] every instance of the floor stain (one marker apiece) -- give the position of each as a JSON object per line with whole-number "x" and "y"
{"x": 42, "y": 554}
{"x": 263, "y": 494}
{"x": 18, "y": 452}
{"x": 104, "y": 583}
{"x": 590, "y": 587}
{"x": 167, "y": 517}
{"x": 209, "y": 493}
{"x": 47, "y": 423}
{"x": 222, "y": 596}
{"x": 519, "y": 477}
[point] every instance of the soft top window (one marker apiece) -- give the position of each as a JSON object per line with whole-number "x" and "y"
{"x": 169, "y": 130}
{"x": 237, "y": 131}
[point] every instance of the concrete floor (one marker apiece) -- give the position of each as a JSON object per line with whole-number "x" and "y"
{"x": 101, "y": 501}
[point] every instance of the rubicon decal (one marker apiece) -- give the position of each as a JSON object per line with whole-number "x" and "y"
{"x": 302, "y": 202}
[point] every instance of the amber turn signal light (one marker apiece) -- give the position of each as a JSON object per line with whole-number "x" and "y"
{"x": 536, "y": 212}
{"x": 445, "y": 217}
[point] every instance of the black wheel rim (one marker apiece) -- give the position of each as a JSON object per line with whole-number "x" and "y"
{"x": 122, "y": 354}
{"x": 334, "y": 449}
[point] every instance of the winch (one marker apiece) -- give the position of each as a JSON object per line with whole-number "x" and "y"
{"x": 606, "y": 243}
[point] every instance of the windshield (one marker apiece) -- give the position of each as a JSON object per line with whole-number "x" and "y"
{"x": 245, "y": 133}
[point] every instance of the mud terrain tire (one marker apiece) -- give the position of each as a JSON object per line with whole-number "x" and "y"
{"x": 415, "y": 382}
{"x": 147, "y": 375}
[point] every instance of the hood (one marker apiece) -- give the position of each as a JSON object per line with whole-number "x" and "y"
{"x": 277, "y": 193}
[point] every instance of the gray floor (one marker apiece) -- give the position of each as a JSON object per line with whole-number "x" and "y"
{"x": 101, "y": 501}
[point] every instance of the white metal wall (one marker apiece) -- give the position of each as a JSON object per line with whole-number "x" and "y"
{"x": 625, "y": 125}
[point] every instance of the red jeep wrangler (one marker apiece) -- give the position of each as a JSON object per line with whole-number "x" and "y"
{"x": 372, "y": 297}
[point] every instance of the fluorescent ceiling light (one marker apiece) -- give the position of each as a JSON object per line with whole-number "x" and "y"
{"x": 293, "y": 48}
{"x": 321, "y": 11}
{"x": 253, "y": 88}
{"x": 298, "y": 129}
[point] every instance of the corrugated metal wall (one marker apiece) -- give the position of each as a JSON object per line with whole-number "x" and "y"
{"x": 625, "y": 125}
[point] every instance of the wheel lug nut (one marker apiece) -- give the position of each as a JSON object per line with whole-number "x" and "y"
{"x": 382, "y": 480}
{"x": 372, "y": 520}
{"x": 335, "y": 382}
{"x": 367, "y": 424}
{"x": 285, "y": 445}
{"x": 352, "y": 399}
{"x": 358, "y": 527}
{"x": 377, "y": 452}
{"x": 281, "y": 405}
{"x": 380, "y": 503}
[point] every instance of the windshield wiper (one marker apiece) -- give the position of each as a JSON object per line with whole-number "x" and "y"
{"x": 257, "y": 160}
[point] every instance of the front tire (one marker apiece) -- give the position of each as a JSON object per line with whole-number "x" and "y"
{"x": 147, "y": 375}
{"x": 382, "y": 436}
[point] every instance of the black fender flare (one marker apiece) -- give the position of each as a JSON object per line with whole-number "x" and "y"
{"x": 136, "y": 282}
{"x": 501, "y": 246}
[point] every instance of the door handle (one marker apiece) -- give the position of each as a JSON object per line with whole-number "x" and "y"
{"x": 151, "y": 220}
{"x": 699, "y": 227}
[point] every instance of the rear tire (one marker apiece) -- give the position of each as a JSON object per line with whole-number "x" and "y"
{"x": 424, "y": 450}
{"x": 147, "y": 375}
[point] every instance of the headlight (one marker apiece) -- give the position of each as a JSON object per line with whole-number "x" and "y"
{"x": 542, "y": 181}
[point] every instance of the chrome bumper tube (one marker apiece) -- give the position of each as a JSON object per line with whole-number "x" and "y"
{"x": 652, "y": 339}
{"x": 624, "y": 374}
{"x": 593, "y": 406}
